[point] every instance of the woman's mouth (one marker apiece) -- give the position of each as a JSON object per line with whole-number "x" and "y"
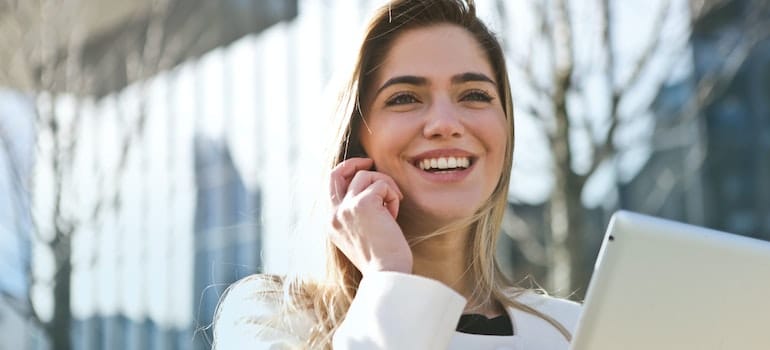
{"x": 444, "y": 164}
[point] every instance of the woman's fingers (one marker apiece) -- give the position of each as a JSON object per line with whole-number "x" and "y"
{"x": 364, "y": 179}
{"x": 342, "y": 174}
{"x": 364, "y": 226}
{"x": 382, "y": 193}
{"x": 365, "y": 207}
{"x": 379, "y": 186}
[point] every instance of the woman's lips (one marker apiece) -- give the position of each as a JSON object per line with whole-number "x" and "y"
{"x": 443, "y": 158}
{"x": 444, "y": 165}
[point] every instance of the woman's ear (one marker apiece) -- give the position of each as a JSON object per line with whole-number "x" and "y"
{"x": 361, "y": 152}
{"x": 356, "y": 148}
{"x": 358, "y": 151}
{"x": 355, "y": 152}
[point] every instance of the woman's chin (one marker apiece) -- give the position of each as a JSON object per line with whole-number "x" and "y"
{"x": 431, "y": 218}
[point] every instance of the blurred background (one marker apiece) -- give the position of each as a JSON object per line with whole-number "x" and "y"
{"x": 154, "y": 151}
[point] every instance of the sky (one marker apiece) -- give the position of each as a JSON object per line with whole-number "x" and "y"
{"x": 16, "y": 128}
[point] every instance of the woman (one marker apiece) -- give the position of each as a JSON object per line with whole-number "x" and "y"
{"x": 418, "y": 188}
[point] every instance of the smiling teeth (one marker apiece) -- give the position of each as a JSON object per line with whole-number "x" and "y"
{"x": 445, "y": 163}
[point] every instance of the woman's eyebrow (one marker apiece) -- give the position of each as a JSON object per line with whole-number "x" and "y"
{"x": 403, "y": 79}
{"x": 421, "y": 81}
{"x": 471, "y": 76}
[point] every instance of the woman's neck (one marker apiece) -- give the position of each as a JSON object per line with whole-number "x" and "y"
{"x": 445, "y": 258}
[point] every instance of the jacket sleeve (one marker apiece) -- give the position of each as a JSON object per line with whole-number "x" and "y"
{"x": 400, "y": 311}
{"x": 248, "y": 317}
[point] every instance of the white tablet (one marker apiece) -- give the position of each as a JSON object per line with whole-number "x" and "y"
{"x": 659, "y": 284}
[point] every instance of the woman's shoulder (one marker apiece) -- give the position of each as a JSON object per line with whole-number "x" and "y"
{"x": 250, "y": 298}
{"x": 255, "y": 286}
{"x": 564, "y": 311}
{"x": 254, "y": 311}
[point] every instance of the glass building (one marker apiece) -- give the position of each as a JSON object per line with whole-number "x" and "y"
{"x": 191, "y": 171}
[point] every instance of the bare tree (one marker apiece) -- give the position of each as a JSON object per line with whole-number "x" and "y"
{"x": 47, "y": 61}
{"x": 584, "y": 122}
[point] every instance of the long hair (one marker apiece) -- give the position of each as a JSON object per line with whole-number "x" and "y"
{"x": 332, "y": 299}
{"x": 328, "y": 300}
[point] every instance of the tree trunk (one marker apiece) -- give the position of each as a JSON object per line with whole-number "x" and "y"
{"x": 568, "y": 274}
{"x": 59, "y": 327}
{"x": 559, "y": 254}
{"x": 565, "y": 211}
{"x": 559, "y": 275}
{"x": 580, "y": 271}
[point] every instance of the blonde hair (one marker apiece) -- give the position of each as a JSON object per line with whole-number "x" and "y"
{"x": 327, "y": 301}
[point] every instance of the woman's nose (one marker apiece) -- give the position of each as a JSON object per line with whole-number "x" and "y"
{"x": 443, "y": 120}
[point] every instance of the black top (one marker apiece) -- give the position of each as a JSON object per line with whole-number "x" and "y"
{"x": 480, "y": 324}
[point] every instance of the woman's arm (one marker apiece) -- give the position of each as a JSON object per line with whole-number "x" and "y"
{"x": 394, "y": 310}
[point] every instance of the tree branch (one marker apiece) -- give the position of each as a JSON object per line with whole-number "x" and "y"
{"x": 528, "y": 244}
{"x": 563, "y": 52}
{"x": 505, "y": 27}
{"x": 701, "y": 8}
{"x": 653, "y": 46}
{"x": 667, "y": 181}
{"x": 525, "y": 66}
{"x": 524, "y": 63}
{"x": 151, "y": 55}
{"x": 561, "y": 46}
{"x": 715, "y": 82}
{"x": 603, "y": 150}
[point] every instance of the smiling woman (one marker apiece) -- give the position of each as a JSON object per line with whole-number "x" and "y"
{"x": 418, "y": 185}
{"x": 436, "y": 111}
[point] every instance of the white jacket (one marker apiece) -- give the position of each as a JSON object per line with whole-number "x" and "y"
{"x": 390, "y": 311}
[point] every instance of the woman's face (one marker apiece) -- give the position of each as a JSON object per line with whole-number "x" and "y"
{"x": 435, "y": 123}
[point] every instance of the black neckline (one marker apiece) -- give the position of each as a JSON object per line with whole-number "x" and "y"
{"x": 480, "y": 324}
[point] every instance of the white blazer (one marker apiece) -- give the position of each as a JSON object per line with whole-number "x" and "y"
{"x": 390, "y": 311}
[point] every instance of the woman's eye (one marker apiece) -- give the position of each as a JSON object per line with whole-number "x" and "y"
{"x": 401, "y": 99}
{"x": 477, "y": 96}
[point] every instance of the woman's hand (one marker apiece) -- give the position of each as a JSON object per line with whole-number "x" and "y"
{"x": 365, "y": 207}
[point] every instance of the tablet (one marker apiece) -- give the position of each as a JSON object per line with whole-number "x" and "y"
{"x": 660, "y": 284}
